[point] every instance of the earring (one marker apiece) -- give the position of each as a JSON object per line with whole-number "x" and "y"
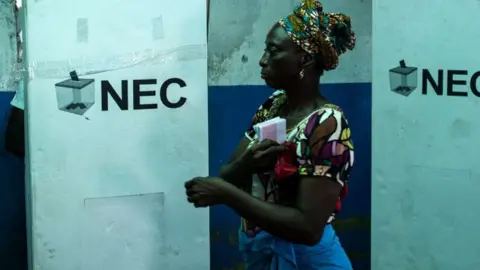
{"x": 302, "y": 73}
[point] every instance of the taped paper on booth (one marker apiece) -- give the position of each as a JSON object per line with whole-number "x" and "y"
{"x": 89, "y": 66}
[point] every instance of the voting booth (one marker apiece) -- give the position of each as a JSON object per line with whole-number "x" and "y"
{"x": 424, "y": 98}
{"x": 116, "y": 123}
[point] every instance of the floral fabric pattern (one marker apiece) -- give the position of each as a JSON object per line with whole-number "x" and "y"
{"x": 324, "y": 147}
{"x": 315, "y": 31}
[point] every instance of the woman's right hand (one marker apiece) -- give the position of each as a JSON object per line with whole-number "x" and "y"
{"x": 262, "y": 156}
{"x": 259, "y": 158}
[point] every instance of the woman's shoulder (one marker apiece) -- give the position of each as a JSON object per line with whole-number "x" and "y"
{"x": 330, "y": 117}
{"x": 328, "y": 110}
{"x": 18, "y": 100}
{"x": 276, "y": 99}
{"x": 325, "y": 138}
{"x": 266, "y": 111}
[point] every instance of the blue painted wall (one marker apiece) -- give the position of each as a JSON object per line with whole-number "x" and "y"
{"x": 231, "y": 109}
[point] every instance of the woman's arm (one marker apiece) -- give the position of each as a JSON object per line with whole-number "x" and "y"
{"x": 234, "y": 171}
{"x": 245, "y": 162}
{"x": 303, "y": 224}
{"x": 15, "y": 133}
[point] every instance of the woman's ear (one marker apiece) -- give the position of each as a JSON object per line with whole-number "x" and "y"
{"x": 308, "y": 61}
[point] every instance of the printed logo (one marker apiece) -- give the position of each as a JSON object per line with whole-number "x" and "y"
{"x": 403, "y": 79}
{"x": 75, "y": 95}
{"x": 442, "y": 82}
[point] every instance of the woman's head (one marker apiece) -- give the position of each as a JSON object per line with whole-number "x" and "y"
{"x": 304, "y": 44}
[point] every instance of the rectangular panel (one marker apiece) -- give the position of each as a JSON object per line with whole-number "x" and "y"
{"x": 425, "y": 174}
{"x": 131, "y": 119}
{"x": 125, "y": 232}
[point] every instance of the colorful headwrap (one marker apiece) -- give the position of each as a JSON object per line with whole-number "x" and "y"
{"x": 315, "y": 31}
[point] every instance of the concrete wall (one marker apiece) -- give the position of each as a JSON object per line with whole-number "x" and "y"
{"x": 237, "y": 39}
{"x": 8, "y": 43}
{"x": 236, "y": 42}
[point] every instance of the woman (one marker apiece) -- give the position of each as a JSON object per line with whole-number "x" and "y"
{"x": 15, "y": 131}
{"x": 288, "y": 194}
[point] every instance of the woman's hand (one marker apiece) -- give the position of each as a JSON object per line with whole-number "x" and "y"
{"x": 262, "y": 156}
{"x": 207, "y": 191}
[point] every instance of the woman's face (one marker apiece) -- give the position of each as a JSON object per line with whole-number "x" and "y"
{"x": 281, "y": 61}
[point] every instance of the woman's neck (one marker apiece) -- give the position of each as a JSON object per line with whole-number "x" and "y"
{"x": 304, "y": 94}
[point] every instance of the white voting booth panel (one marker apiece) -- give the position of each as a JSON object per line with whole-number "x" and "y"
{"x": 425, "y": 102}
{"x": 111, "y": 144}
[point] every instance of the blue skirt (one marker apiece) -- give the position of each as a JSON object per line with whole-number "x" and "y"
{"x": 267, "y": 252}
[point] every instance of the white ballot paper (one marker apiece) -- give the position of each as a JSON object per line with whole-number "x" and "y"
{"x": 274, "y": 129}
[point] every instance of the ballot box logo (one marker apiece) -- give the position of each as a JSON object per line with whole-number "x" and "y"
{"x": 403, "y": 79}
{"x": 440, "y": 82}
{"x": 75, "y": 95}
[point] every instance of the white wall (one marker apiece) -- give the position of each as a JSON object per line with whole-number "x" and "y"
{"x": 425, "y": 172}
{"x": 107, "y": 193}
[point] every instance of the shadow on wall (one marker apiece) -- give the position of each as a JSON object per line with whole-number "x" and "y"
{"x": 231, "y": 109}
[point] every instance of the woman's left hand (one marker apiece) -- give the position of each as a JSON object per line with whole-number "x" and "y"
{"x": 206, "y": 191}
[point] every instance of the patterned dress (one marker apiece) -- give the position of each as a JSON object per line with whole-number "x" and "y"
{"x": 323, "y": 148}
